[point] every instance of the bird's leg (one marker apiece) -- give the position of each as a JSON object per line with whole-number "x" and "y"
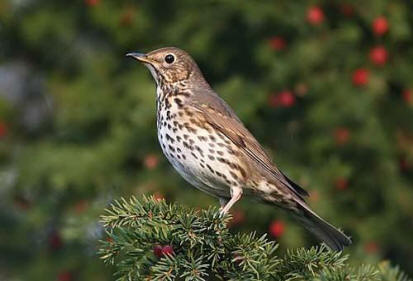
{"x": 236, "y": 192}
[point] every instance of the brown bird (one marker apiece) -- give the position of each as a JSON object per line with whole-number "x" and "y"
{"x": 208, "y": 145}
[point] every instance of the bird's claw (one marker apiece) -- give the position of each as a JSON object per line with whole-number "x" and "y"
{"x": 222, "y": 213}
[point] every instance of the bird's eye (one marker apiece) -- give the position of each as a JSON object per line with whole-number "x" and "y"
{"x": 169, "y": 58}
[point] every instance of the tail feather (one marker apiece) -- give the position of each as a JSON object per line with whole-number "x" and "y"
{"x": 296, "y": 206}
{"x": 334, "y": 238}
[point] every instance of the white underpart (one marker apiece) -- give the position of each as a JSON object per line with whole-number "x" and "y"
{"x": 194, "y": 169}
{"x": 153, "y": 72}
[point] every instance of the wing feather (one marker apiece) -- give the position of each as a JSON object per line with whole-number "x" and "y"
{"x": 221, "y": 117}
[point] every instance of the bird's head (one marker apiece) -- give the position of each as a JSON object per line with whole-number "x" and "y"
{"x": 168, "y": 65}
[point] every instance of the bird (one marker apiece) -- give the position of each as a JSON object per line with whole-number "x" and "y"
{"x": 209, "y": 146}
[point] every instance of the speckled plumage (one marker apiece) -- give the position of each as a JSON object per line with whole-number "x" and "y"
{"x": 209, "y": 146}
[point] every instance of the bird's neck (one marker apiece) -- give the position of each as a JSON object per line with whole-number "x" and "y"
{"x": 165, "y": 92}
{"x": 184, "y": 89}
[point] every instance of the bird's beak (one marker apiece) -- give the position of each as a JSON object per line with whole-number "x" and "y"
{"x": 139, "y": 56}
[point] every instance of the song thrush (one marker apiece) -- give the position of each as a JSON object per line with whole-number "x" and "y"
{"x": 209, "y": 146}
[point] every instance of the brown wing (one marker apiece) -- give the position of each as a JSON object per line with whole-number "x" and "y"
{"x": 221, "y": 117}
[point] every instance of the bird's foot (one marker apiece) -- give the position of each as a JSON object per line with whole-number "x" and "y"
{"x": 222, "y": 212}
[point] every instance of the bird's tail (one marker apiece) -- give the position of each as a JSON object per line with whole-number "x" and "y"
{"x": 324, "y": 231}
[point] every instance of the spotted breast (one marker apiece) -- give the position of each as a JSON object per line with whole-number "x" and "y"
{"x": 203, "y": 156}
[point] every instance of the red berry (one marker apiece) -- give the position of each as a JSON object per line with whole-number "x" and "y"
{"x": 277, "y": 228}
{"x": 360, "y": 77}
{"x": 158, "y": 196}
{"x": 22, "y": 203}
{"x": 81, "y": 206}
{"x": 65, "y": 276}
{"x": 151, "y": 161}
{"x": 341, "y": 135}
{"x": 378, "y": 55}
{"x": 404, "y": 165}
{"x": 238, "y": 258}
{"x": 315, "y": 15}
{"x": 283, "y": 99}
{"x": 408, "y": 96}
{"x": 127, "y": 17}
{"x": 341, "y": 183}
{"x": 301, "y": 89}
{"x": 238, "y": 217}
{"x": 347, "y": 9}
{"x": 380, "y": 26}
{"x": 371, "y": 247}
{"x": 286, "y": 98}
{"x": 277, "y": 43}
{"x": 3, "y": 129}
{"x": 157, "y": 251}
{"x": 55, "y": 240}
{"x": 92, "y": 3}
{"x": 167, "y": 250}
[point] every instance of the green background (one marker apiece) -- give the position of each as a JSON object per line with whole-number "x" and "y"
{"x": 78, "y": 129}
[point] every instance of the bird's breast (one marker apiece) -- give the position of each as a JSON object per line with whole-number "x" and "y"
{"x": 202, "y": 155}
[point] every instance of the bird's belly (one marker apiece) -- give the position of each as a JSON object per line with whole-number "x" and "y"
{"x": 194, "y": 169}
{"x": 201, "y": 156}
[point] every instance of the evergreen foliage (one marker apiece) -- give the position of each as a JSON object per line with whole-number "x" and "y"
{"x": 204, "y": 249}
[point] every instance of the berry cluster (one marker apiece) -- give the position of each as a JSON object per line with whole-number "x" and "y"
{"x": 161, "y": 251}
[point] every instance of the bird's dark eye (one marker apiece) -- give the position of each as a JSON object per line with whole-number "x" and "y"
{"x": 169, "y": 58}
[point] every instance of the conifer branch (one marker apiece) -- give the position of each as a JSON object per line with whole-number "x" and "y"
{"x": 149, "y": 239}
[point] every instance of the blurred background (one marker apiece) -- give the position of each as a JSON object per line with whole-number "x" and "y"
{"x": 325, "y": 86}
